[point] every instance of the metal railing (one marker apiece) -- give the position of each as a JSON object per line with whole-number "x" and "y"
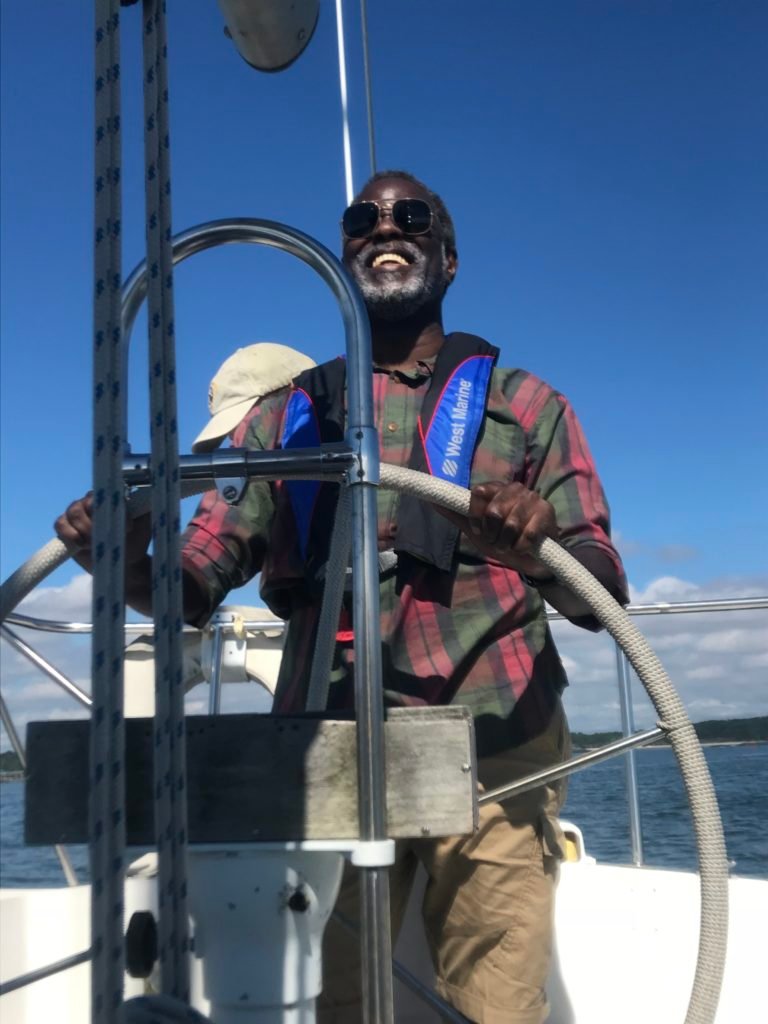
{"x": 624, "y": 677}
{"x": 626, "y": 746}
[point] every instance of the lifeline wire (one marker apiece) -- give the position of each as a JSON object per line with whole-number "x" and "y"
{"x": 107, "y": 795}
{"x": 368, "y": 85}
{"x": 169, "y": 734}
{"x": 350, "y": 190}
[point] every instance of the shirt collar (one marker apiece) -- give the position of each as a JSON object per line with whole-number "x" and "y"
{"x": 420, "y": 371}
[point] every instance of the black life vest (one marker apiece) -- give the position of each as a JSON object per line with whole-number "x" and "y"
{"x": 447, "y": 434}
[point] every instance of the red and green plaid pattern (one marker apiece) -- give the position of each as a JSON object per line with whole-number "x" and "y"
{"x": 491, "y": 649}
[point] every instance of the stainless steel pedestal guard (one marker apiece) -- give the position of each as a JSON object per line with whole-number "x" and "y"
{"x": 361, "y": 434}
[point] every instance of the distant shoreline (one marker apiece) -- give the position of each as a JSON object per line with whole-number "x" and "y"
{"x": 666, "y": 745}
{"x": 714, "y": 732}
{"x": 721, "y": 732}
{"x": 577, "y": 748}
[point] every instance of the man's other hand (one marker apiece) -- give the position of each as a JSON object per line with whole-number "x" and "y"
{"x": 74, "y": 528}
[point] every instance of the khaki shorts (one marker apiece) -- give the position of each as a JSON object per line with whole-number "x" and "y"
{"x": 488, "y": 905}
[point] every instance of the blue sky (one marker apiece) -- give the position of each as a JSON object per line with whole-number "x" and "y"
{"x": 606, "y": 164}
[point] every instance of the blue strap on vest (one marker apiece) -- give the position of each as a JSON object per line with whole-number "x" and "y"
{"x": 301, "y": 430}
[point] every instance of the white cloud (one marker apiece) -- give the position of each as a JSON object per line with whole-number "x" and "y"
{"x": 756, "y": 661}
{"x": 716, "y": 660}
{"x": 704, "y": 672}
{"x": 70, "y": 603}
{"x": 705, "y": 704}
{"x": 46, "y": 690}
{"x": 733, "y": 641}
{"x": 677, "y": 553}
{"x": 669, "y": 553}
{"x": 70, "y": 714}
{"x": 675, "y": 641}
{"x": 626, "y": 546}
{"x": 665, "y": 588}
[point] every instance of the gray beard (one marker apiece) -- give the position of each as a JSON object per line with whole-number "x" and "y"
{"x": 390, "y": 299}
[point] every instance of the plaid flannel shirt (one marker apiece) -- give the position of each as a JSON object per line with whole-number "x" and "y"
{"x": 491, "y": 649}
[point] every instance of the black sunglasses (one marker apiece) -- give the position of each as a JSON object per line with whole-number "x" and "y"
{"x": 411, "y": 216}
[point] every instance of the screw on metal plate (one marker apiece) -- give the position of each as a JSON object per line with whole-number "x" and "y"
{"x": 231, "y": 489}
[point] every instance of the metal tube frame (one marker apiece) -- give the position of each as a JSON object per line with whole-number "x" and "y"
{"x": 45, "y": 972}
{"x": 214, "y": 693}
{"x": 53, "y": 626}
{"x": 738, "y": 604}
{"x": 328, "y": 462}
{"x": 575, "y": 764}
{"x": 45, "y": 666}
{"x": 624, "y": 677}
{"x": 363, "y": 478}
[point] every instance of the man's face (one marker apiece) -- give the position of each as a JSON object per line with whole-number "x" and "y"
{"x": 398, "y": 274}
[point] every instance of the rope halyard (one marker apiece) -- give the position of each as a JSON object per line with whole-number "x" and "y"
{"x": 107, "y": 795}
{"x": 169, "y": 747}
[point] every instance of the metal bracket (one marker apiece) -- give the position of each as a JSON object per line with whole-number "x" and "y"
{"x": 232, "y": 488}
{"x": 364, "y": 442}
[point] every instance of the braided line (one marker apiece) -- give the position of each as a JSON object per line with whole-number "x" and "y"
{"x": 107, "y": 795}
{"x": 169, "y": 736}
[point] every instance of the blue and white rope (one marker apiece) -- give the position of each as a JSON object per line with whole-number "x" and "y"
{"x": 170, "y": 764}
{"x": 107, "y": 796}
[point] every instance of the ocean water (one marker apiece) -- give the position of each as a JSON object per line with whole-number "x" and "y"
{"x": 596, "y": 803}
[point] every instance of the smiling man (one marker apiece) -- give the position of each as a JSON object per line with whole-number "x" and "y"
{"x": 462, "y": 599}
{"x": 463, "y": 618}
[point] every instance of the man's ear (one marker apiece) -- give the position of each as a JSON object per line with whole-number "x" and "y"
{"x": 451, "y": 264}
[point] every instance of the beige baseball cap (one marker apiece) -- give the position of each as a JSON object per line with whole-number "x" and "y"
{"x": 248, "y": 375}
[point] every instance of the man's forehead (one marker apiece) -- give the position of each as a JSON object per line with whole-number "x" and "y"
{"x": 393, "y": 188}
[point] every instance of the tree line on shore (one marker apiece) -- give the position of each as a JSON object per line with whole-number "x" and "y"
{"x": 725, "y": 730}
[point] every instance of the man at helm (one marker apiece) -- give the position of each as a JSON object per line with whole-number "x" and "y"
{"x": 462, "y": 606}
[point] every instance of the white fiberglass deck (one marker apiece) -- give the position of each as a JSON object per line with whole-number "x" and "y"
{"x": 626, "y": 942}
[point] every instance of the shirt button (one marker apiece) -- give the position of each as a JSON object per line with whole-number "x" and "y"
{"x": 391, "y": 427}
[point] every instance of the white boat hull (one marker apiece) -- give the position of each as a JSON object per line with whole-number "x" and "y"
{"x": 626, "y": 943}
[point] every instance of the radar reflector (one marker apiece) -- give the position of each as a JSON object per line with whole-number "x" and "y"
{"x": 270, "y": 34}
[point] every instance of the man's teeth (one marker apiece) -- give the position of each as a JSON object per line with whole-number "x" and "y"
{"x": 389, "y": 257}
